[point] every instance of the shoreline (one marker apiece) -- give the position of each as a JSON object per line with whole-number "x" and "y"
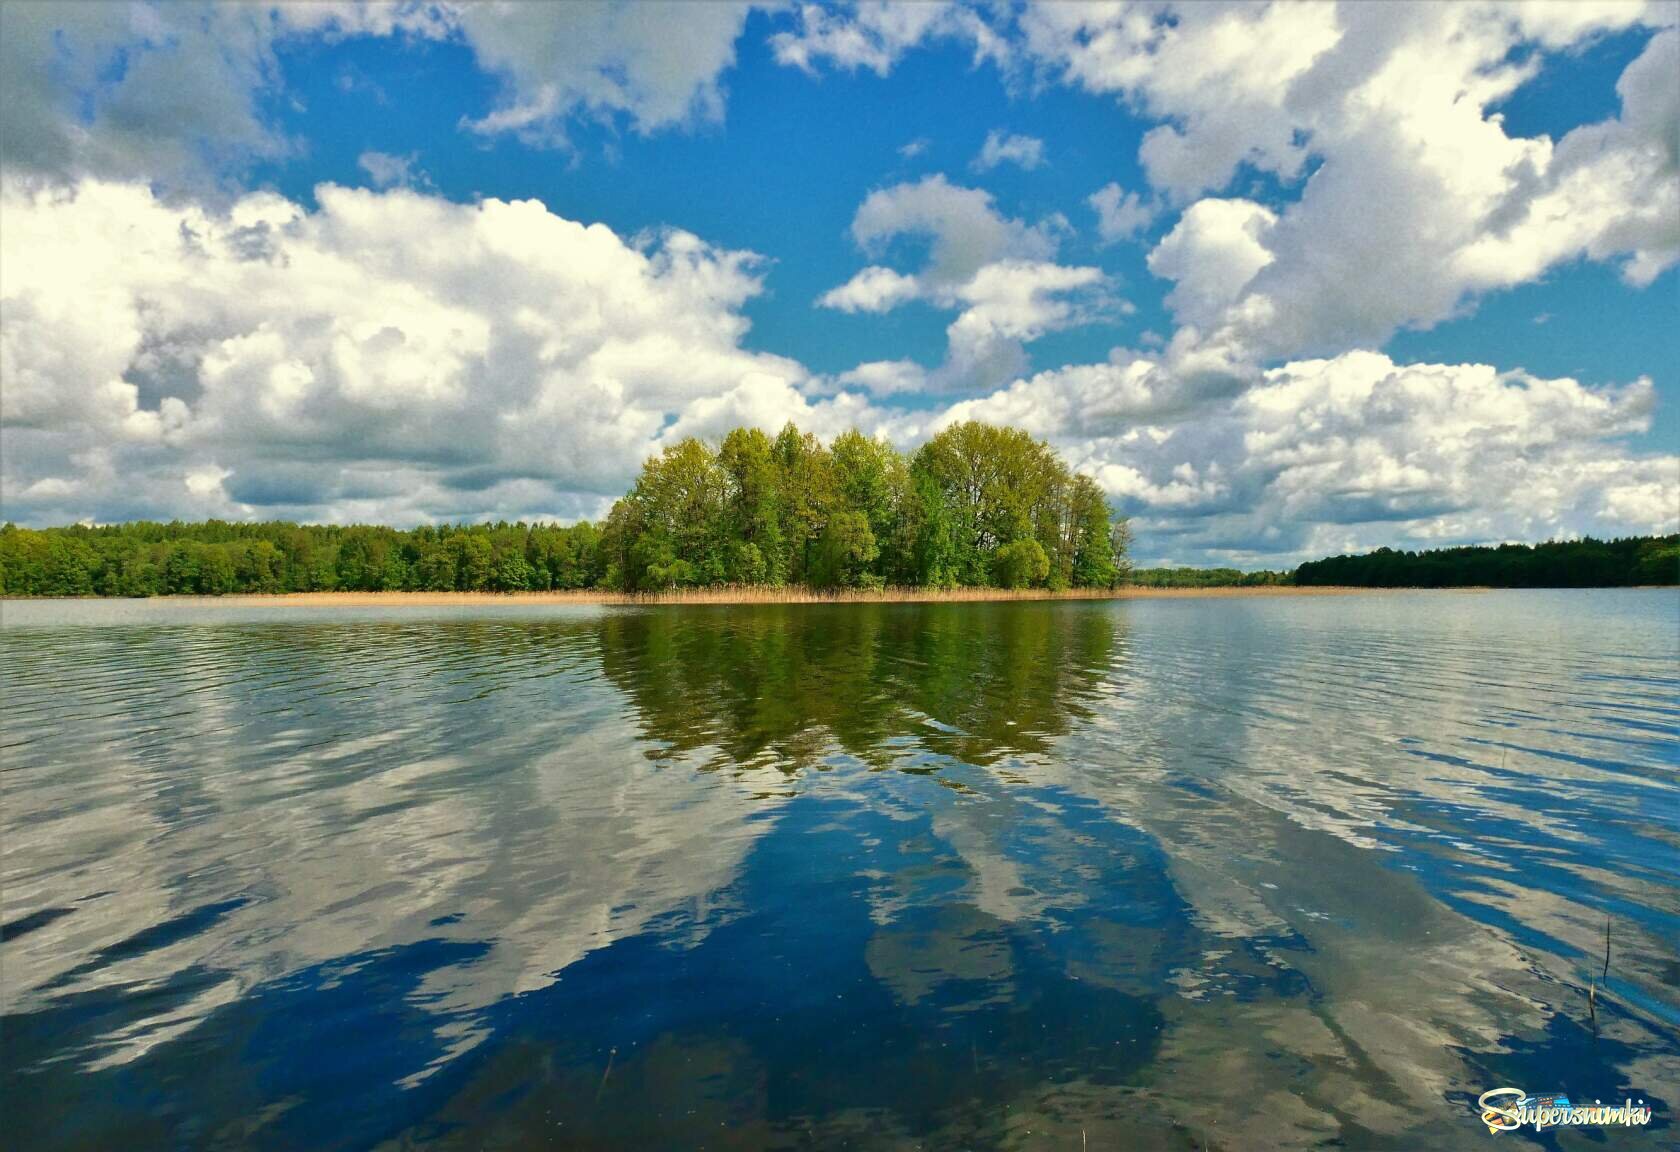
{"x": 726, "y": 596}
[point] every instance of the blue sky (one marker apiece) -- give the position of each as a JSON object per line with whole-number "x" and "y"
{"x": 1389, "y": 275}
{"x": 782, "y": 175}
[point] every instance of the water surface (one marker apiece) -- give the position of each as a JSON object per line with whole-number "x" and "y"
{"x": 1152, "y": 874}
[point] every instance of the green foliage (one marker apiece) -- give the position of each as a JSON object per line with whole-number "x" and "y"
{"x": 976, "y": 504}
{"x": 513, "y": 572}
{"x": 1204, "y": 578}
{"x": 844, "y": 552}
{"x": 856, "y": 513}
{"x": 474, "y": 562}
{"x": 1020, "y": 564}
{"x": 1658, "y": 562}
{"x": 1583, "y": 563}
{"x": 1099, "y": 541}
{"x": 754, "y": 504}
{"x": 216, "y": 558}
{"x": 746, "y": 564}
{"x": 927, "y": 530}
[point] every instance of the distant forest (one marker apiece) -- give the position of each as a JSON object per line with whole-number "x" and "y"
{"x": 1632, "y": 560}
{"x": 975, "y": 506}
{"x": 1205, "y": 578}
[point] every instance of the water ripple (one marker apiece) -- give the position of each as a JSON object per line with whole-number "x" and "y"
{"x": 1320, "y": 869}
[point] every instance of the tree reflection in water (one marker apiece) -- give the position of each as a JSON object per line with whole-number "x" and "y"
{"x": 890, "y": 684}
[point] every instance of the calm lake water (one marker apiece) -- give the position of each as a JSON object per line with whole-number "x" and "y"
{"x": 1227, "y": 873}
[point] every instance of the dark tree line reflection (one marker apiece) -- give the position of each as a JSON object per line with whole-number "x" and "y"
{"x": 889, "y": 684}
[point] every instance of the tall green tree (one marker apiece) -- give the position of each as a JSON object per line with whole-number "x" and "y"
{"x": 1096, "y": 536}
{"x": 754, "y": 503}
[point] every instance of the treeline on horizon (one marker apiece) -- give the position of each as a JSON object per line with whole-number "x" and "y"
{"x": 1585, "y": 563}
{"x": 976, "y": 505}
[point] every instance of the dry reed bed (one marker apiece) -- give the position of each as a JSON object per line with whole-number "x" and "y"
{"x": 759, "y": 595}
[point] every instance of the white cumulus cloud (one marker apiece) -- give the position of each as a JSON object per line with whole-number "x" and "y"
{"x": 876, "y": 34}
{"x": 1006, "y": 148}
{"x": 999, "y": 273}
{"x": 1352, "y": 451}
{"x": 1420, "y": 199}
{"x": 657, "y": 62}
{"x": 388, "y": 355}
{"x": 174, "y": 91}
{"x": 875, "y": 289}
{"x": 386, "y": 169}
{"x": 1212, "y": 254}
{"x": 1121, "y": 215}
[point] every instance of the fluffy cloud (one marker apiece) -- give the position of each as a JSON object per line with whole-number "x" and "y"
{"x": 1007, "y": 304}
{"x": 875, "y": 289}
{"x": 172, "y": 91}
{"x": 1222, "y": 73}
{"x": 887, "y": 377}
{"x": 1607, "y": 189}
{"x": 1351, "y": 452}
{"x": 875, "y": 34}
{"x": 385, "y": 169}
{"x": 130, "y": 88}
{"x": 395, "y": 356}
{"x": 389, "y": 355}
{"x": 1211, "y": 255}
{"x": 1083, "y": 401}
{"x": 966, "y": 229}
{"x": 1121, "y": 215}
{"x": 1420, "y": 199}
{"x": 1004, "y": 148}
{"x": 657, "y": 62}
{"x": 999, "y": 273}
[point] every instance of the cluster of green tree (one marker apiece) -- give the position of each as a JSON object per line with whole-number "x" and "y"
{"x": 215, "y": 557}
{"x": 1584, "y": 563}
{"x": 976, "y": 505}
{"x": 1205, "y": 578}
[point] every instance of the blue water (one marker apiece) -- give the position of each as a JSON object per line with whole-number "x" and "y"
{"x": 1222, "y": 873}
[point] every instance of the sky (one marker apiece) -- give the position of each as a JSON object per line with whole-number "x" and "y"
{"x": 1286, "y": 279}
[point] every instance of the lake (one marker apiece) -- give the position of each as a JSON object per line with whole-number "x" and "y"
{"x": 1222, "y": 873}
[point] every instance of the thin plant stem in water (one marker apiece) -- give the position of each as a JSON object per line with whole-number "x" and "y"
{"x": 602, "y": 1087}
{"x": 1606, "y": 977}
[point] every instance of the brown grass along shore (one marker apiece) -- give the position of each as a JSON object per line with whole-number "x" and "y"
{"x": 757, "y": 595}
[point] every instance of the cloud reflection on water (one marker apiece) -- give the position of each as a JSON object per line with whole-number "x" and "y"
{"x": 1351, "y": 857}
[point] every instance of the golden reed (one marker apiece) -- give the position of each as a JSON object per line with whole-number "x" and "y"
{"x": 760, "y": 594}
